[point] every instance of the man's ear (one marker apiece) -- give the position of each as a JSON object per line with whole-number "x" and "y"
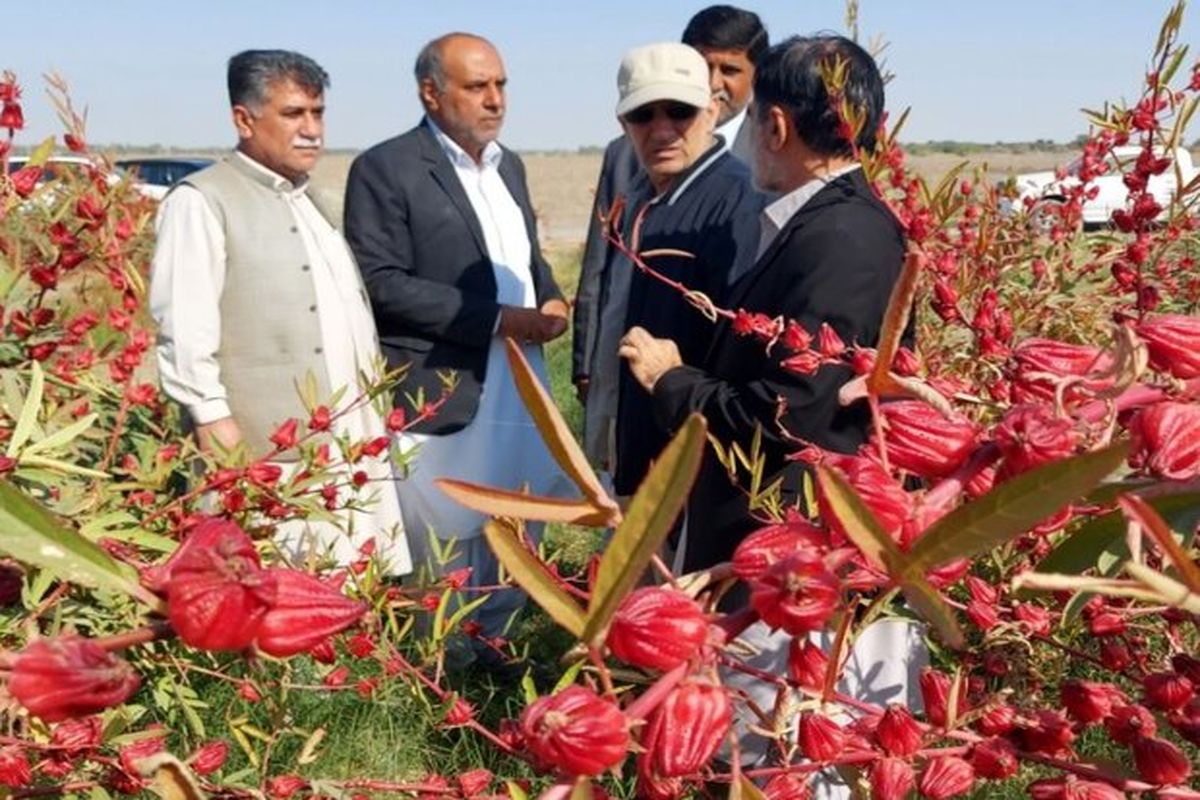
{"x": 778, "y": 129}
{"x": 427, "y": 91}
{"x": 243, "y": 120}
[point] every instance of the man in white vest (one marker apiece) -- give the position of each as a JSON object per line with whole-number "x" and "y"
{"x": 254, "y": 290}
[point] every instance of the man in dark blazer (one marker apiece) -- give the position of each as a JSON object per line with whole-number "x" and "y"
{"x": 830, "y": 252}
{"x": 441, "y": 224}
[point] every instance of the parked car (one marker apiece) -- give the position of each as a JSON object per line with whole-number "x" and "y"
{"x": 1038, "y": 193}
{"x": 54, "y": 167}
{"x": 158, "y": 175}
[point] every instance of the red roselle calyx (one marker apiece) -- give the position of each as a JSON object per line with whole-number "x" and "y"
{"x": 1071, "y": 788}
{"x": 1041, "y": 365}
{"x": 769, "y": 545}
{"x": 882, "y": 493}
{"x": 1030, "y": 435}
{"x": 898, "y": 732}
{"x": 685, "y": 730}
{"x": 1160, "y": 762}
{"x": 798, "y": 594}
{"x": 820, "y": 738}
{"x": 807, "y": 663}
{"x": 945, "y": 777}
{"x": 657, "y": 628}
{"x": 935, "y": 696}
{"x": 1090, "y": 702}
{"x": 1167, "y": 691}
{"x": 575, "y": 732}
{"x": 69, "y": 676}
{"x": 1173, "y": 342}
{"x": 995, "y": 759}
{"x": 923, "y": 441}
{"x": 1166, "y": 440}
{"x": 304, "y": 613}
{"x": 217, "y": 594}
{"x": 891, "y": 779}
{"x": 787, "y": 786}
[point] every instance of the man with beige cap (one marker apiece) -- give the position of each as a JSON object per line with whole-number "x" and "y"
{"x": 691, "y": 196}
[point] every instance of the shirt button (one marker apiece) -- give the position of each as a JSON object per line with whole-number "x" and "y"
{"x": 312, "y": 308}
{"x": 318, "y": 350}
{"x": 304, "y": 267}
{"x": 295, "y": 229}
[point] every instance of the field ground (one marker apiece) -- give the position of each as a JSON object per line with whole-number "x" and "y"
{"x": 562, "y": 184}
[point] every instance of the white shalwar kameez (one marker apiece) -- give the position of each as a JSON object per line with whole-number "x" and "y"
{"x": 188, "y": 276}
{"x": 500, "y": 446}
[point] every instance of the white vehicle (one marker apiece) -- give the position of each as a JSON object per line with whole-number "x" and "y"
{"x": 1046, "y": 190}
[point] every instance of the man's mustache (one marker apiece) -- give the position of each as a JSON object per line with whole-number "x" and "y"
{"x": 721, "y": 95}
{"x": 304, "y": 141}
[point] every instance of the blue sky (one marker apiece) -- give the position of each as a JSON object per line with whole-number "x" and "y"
{"x": 153, "y": 72}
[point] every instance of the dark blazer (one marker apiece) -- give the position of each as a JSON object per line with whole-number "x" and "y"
{"x": 425, "y": 264}
{"x": 835, "y": 261}
{"x": 617, "y": 172}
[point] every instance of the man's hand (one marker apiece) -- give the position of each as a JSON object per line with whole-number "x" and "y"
{"x": 533, "y": 326}
{"x": 582, "y": 383}
{"x": 222, "y": 433}
{"x": 649, "y": 358}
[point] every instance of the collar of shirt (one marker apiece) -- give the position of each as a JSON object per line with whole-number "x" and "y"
{"x": 776, "y": 215}
{"x": 458, "y": 157}
{"x": 732, "y": 127}
{"x": 271, "y": 178}
{"x": 685, "y": 179}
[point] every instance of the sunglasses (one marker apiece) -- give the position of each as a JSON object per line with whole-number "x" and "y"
{"x": 676, "y": 112}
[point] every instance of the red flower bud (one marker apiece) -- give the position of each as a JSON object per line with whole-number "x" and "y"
{"x": 1046, "y": 732}
{"x": 898, "y": 732}
{"x": 921, "y": 440}
{"x": 946, "y": 776}
{"x": 1160, "y": 762}
{"x": 1089, "y": 702}
{"x": 891, "y": 779}
{"x": 460, "y": 712}
{"x": 1115, "y": 655}
{"x": 657, "y": 628}
{"x": 218, "y": 594}
{"x": 210, "y": 757}
{"x": 264, "y": 473}
{"x": 1030, "y": 436}
{"x": 798, "y": 594}
{"x": 935, "y": 696}
{"x": 25, "y": 180}
{"x": 767, "y": 546}
{"x": 807, "y": 663}
{"x": 820, "y": 738}
{"x": 284, "y": 786}
{"x": 995, "y": 759}
{"x": 305, "y": 613}
{"x": 828, "y": 342}
{"x": 652, "y": 786}
{"x": 284, "y": 437}
{"x": 1187, "y": 666}
{"x": 1041, "y": 364}
{"x": 575, "y": 732}
{"x": 882, "y": 493}
{"x": 1166, "y": 440}
{"x": 1173, "y": 341}
{"x": 1167, "y": 691}
{"x": 760, "y": 325}
{"x": 1186, "y": 721}
{"x": 14, "y": 767}
{"x": 685, "y": 730}
{"x": 475, "y": 781}
{"x": 1130, "y": 722}
{"x": 998, "y": 721}
{"x": 69, "y": 676}
{"x": 1071, "y": 788}
{"x": 321, "y": 419}
{"x": 787, "y": 786}
{"x": 396, "y": 420}
{"x": 337, "y": 677}
{"x": 11, "y": 116}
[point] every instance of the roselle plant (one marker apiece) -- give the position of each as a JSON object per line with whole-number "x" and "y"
{"x": 1029, "y": 491}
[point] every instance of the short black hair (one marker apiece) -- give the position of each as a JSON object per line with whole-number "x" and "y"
{"x": 789, "y": 76}
{"x": 251, "y": 72}
{"x": 727, "y": 28}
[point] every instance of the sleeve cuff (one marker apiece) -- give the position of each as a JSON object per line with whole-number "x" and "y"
{"x": 209, "y": 411}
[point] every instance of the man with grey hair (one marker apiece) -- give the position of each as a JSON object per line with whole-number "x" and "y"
{"x": 254, "y": 291}
{"x": 443, "y": 228}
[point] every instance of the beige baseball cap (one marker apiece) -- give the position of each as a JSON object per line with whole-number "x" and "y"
{"x": 664, "y": 71}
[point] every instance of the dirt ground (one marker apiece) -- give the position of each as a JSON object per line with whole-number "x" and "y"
{"x": 562, "y": 183}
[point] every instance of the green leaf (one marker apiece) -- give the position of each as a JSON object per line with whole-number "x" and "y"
{"x": 926, "y": 601}
{"x": 1012, "y": 508}
{"x": 744, "y": 789}
{"x": 62, "y": 436}
{"x": 555, "y": 431}
{"x": 652, "y": 512}
{"x": 503, "y": 503}
{"x": 1081, "y": 550}
{"x": 41, "y": 153}
{"x": 858, "y": 521}
{"x": 532, "y": 576}
{"x": 30, "y": 534}
{"x": 27, "y": 421}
